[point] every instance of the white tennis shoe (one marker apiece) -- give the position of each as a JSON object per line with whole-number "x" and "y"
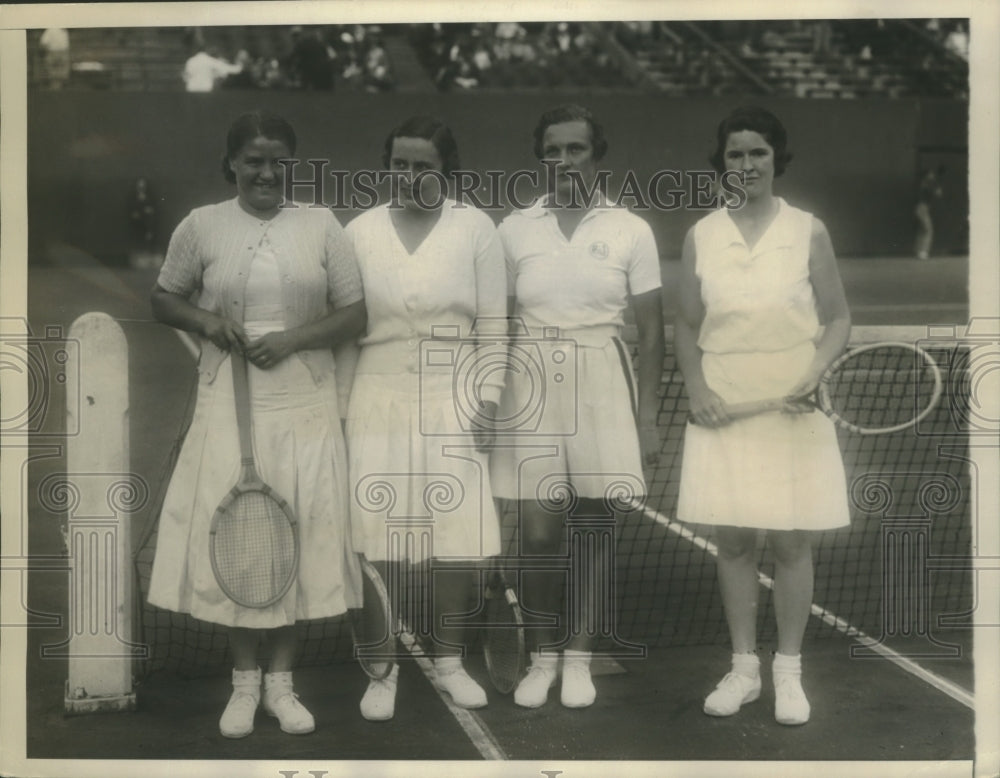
{"x": 465, "y": 692}
{"x": 790, "y": 704}
{"x": 379, "y": 702}
{"x": 533, "y": 690}
{"x": 733, "y": 692}
{"x": 237, "y": 719}
{"x": 577, "y": 687}
{"x": 282, "y": 703}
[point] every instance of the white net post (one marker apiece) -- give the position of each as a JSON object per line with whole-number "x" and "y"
{"x": 99, "y": 647}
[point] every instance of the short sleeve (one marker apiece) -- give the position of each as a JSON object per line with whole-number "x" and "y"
{"x": 183, "y": 267}
{"x": 342, "y": 273}
{"x": 644, "y": 267}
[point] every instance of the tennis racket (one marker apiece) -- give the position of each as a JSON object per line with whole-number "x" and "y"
{"x": 377, "y": 610}
{"x": 253, "y": 539}
{"x": 503, "y": 633}
{"x": 871, "y": 390}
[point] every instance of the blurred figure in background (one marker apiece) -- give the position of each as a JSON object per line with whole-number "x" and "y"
{"x": 928, "y": 190}
{"x": 205, "y": 69}
{"x": 143, "y": 221}
{"x": 55, "y": 57}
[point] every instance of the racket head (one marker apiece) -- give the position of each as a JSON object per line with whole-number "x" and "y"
{"x": 880, "y": 388}
{"x": 254, "y": 545}
{"x": 375, "y": 664}
{"x": 503, "y": 634}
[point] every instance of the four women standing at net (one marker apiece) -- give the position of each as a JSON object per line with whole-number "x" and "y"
{"x": 279, "y": 283}
{"x": 762, "y": 314}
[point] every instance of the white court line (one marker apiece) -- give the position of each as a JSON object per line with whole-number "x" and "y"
{"x": 953, "y": 690}
{"x": 475, "y": 728}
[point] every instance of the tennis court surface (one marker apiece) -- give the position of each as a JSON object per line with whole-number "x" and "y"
{"x": 908, "y": 700}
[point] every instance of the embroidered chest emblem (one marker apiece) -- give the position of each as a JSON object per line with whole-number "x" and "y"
{"x": 599, "y": 250}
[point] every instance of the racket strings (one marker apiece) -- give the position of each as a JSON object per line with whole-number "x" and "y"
{"x": 254, "y": 548}
{"x": 881, "y": 387}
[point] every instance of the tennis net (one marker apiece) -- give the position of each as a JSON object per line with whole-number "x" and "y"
{"x": 895, "y": 572}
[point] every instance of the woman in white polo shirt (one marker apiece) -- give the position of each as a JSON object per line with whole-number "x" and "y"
{"x": 574, "y": 266}
{"x": 431, "y": 267}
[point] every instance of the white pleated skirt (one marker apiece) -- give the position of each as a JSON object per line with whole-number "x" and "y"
{"x": 572, "y": 426}
{"x": 772, "y": 471}
{"x": 299, "y": 451}
{"x": 419, "y": 488}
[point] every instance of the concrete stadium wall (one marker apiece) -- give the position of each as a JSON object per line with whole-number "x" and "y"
{"x": 855, "y": 162}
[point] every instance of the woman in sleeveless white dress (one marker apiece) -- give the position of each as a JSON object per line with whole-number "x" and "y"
{"x": 762, "y": 314}
{"x": 261, "y": 275}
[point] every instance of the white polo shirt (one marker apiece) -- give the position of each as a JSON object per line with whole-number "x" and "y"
{"x": 579, "y": 283}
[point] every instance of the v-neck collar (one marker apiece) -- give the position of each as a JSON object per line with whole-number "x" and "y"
{"x": 763, "y": 240}
{"x": 445, "y": 210}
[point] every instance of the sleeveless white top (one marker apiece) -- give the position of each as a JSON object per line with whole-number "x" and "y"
{"x": 760, "y": 298}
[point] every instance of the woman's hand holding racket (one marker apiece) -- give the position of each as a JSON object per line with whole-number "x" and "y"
{"x": 224, "y": 332}
{"x": 871, "y": 390}
{"x": 707, "y": 409}
{"x": 269, "y": 350}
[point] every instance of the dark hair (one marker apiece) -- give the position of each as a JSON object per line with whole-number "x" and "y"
{"x": 757, "y": 120}
{"x": 428, "y": 128}
{"x": 571, "y": 113}
{"x": 255, "y": 124}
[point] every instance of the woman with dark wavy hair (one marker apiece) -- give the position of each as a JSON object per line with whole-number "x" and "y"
{"x": 418, "y": 428}
{"x": 762, "y": 314}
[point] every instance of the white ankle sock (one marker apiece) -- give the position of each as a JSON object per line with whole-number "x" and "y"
{"x": 746, "y": 664}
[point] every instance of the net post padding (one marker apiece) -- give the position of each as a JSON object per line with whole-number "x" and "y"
{"x": 100, "y": 647}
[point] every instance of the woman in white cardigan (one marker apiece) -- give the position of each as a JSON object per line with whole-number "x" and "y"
{"x": 279, "y": 283}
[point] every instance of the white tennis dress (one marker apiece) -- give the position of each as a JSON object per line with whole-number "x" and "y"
{"x": 297, "y": 439}
{"x": 419, "y": 488}
{"x": 772, "y": 471}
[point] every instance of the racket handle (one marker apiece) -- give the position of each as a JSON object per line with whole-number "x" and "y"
{"x": 745, "y": 410}
{"x": 241, "y": 394}
{"x": 737, "y": 411}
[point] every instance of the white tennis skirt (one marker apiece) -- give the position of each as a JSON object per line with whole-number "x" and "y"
{"x": 419, "y": 488}
{"x": 772, "y": 471}
{"x": 299, "y": 451}
{"x": 568, "y": 412}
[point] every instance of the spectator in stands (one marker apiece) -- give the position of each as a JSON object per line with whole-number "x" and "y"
{"x": 245, "y": 78}
{"x": 55, "y": 57}
{"x": 928, "y": 191}
{"x": 205, "y": 69}
{"x": 378, "y": 69}
{"x": 310, "y": 64}
{"x": 957, "y": 41}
